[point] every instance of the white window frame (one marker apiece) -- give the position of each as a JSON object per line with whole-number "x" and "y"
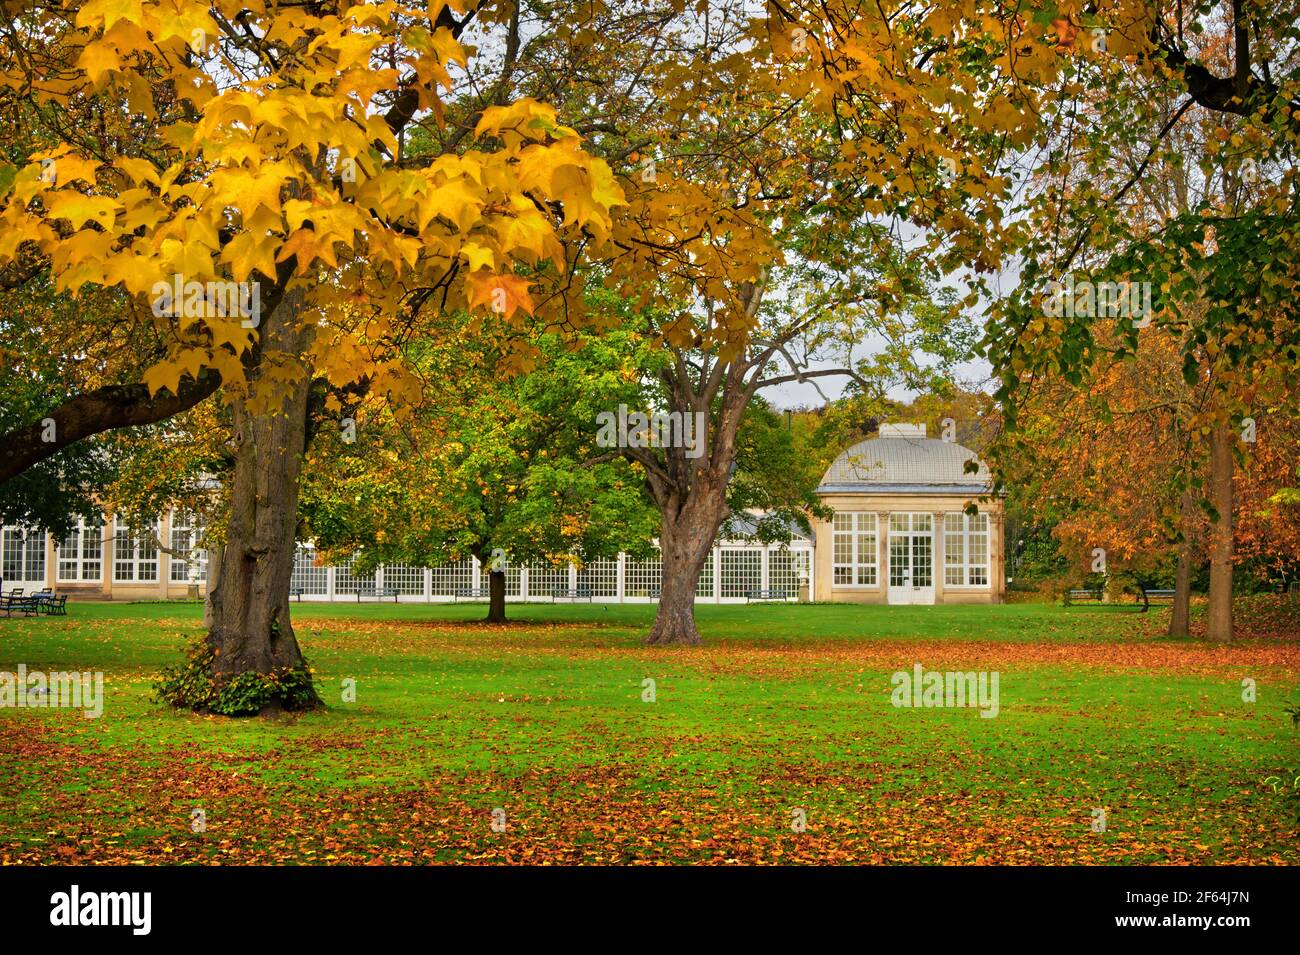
{"x": 186, "y": 523}
{"x": 80, "y": 554}
{"x": 741, "y": 571}
{"x": 863, "y": 526}
{"x": 30, "y": 552}
{"x": 958, "y": 543}
{"x": 312, "y": 580}
{"x": 139, "y": 545}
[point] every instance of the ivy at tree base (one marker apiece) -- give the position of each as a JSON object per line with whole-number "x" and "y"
{"x": 190, "y": 686}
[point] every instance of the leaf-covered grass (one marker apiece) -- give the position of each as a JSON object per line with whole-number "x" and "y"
{"x": 785, "y": 708}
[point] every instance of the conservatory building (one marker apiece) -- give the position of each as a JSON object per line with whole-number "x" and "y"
{"x": 901, "y": 534}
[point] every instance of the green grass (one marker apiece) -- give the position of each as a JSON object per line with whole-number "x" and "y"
{"x": 786, "y": 707}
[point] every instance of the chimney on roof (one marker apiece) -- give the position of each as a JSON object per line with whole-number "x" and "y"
{"x": 902, "y": 430}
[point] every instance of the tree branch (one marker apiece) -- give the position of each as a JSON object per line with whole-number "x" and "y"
{"x": 104, "y": 409}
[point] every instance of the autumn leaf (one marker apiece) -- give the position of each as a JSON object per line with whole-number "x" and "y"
{"x": 502, "y": 294}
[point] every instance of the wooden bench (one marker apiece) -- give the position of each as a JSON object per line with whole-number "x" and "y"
{"x": 378, "y": 593}
{"x": 1086, "y": 594}
{"x": 569, "y": 593}
{"x": 471, "y": 593}
{"x": 1148, "y": 596}
{"x": 769, "y": 593}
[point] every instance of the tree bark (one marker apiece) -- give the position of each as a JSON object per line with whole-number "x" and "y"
{"x": 496, "y": 596}
{"x": 692, "y": 497}
{"x": 685, "y": 544}
{"x": 249, "y": 603}
{"x": 1219, "y": 625}
{"x": 215, "y": 552}
{"x": 1181, "y": 612}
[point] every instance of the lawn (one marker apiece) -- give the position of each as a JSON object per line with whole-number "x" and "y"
{"x": 784, "y": 716}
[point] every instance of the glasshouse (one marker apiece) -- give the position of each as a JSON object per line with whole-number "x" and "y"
{"x": 900, "y": 534}
{"x": 125, "y": 563}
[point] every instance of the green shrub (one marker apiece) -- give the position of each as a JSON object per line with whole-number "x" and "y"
{"x": 190, "y": 686}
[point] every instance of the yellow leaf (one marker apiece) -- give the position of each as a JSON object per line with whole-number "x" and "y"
{"x": 79, "y": 209}
{"x": 478, "y": 256}
{"x": 140, "y": 170}
{"x": 457, "y": 200}
{"x": 108, "y": 12}
{"x": 97, "y": 60}
{"x": 503, "y": 294}
{"x": 167, "y": 373}
{"x": 70, "y": 167}
{"x": 523, "y": 119}
{"x": 307, "y": 246}
{"x": 248, "y": 251}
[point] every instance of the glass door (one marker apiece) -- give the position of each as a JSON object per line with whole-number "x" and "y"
{"x": 911, "y": 558}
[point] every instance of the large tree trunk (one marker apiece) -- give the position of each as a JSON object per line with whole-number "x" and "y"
{"x": 685, "y": 543}
{"x": 249, "y": 603}
{"x": 1180, "y": 614}
{"x": 683, "y": 560}
{"x": 1219, "y": 626}
{"x": 496, "y": 596}
{"x": 691, "y": 490}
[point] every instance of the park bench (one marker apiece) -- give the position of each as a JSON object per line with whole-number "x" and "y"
{"x": 377, "y": 593}
{"x": 471, "y": 593}
{"x": 42, "y": 600}
{"x": 768, "y": 593}
{"x": 1082, "y": 594}
{"x": 17, "y": 600}
{"x": 45, "y": 602}
{"x": 1149, "y": 596}
{"x": 570, "y": 593}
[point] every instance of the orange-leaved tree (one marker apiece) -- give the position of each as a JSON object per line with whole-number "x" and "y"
{"x": 237, "y": 170}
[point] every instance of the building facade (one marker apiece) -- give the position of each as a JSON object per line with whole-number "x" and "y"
{"x": 113, "y": 561}
{"x": 901, "y": 534}
{"x": 107, "y": 560}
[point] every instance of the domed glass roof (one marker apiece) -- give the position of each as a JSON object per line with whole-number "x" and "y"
{"x": 903, "y": 459}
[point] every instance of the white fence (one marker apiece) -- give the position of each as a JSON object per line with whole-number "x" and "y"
{"x": 126, "y": 558}
{"x": 733, "y": 571}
